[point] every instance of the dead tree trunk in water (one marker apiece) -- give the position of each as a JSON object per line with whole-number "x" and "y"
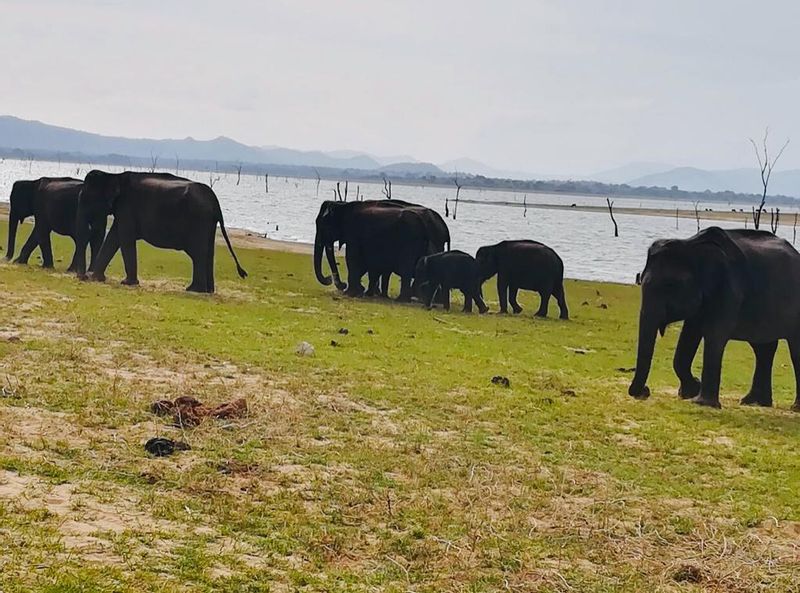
{"x": 318, "y": 180}
{"x": 525, "y": 206}
{"x": 238, "y": 173}
{"x": 774, "y": 220}
{"x": 765, "y": 165}
{"x": 611, "y": 212}
{"x": 458, "y": 192}
{"x": 697, "y": 215}
{"x": 676, "y": 219}
{"x": 387, "y": 188}
{"x": 794, "y": 229}
{"x": 266, "y": 183}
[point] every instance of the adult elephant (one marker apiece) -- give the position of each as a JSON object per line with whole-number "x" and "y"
{"x": 527, "y": 265}
{"x": 379, "y": 239}
{"x": 724, "y": 285}
{"x": 166, "y": 211}
{"x": 53, "y": 202}
{"x": 438, "y": 240}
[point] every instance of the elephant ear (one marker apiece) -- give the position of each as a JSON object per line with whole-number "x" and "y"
{"x": 721, "y": 261}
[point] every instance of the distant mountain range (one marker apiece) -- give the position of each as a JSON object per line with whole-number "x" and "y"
{"x": 37, "y": 138}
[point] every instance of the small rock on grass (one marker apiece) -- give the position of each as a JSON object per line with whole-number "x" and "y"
{"x": 501, "y": 380}
{"x": 344, "y": 331}
{"x": 161, "y": 447}
{"x": 304, "y": 349}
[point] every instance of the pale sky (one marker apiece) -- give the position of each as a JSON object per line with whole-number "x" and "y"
{"x": 558, "y": 86}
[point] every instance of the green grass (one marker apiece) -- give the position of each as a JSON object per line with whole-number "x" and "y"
{"x": 386, "y": 462}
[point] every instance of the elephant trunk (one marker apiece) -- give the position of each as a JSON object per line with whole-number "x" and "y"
{"x": 334, "y": 267}
{"x": 13, "y": 222}
{"x": 648, "y": 326}
{"x": 321, "y": 278}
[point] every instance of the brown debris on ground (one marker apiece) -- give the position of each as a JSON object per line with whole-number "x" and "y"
{"x": 188, "y": 411}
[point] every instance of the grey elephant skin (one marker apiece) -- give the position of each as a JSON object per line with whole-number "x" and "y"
{"x": 381, "y": 239}
{"x": 53, "y": 202}
{"x": 724, "y": 285}
{"x": 524, "y": 265}
{"x": 166, "y": 211}
{"x": 446, "y": 271}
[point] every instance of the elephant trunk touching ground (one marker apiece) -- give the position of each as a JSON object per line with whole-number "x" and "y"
{"x": 319, "y": 247}
{"x": 13, "y": 223}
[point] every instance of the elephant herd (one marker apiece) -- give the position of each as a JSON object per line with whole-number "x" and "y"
{"x": 165, "y": 210}
{"x": 723, "y": 284}
{"x": 385, "y": 237}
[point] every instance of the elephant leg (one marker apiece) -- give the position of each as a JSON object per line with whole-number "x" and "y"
{"x": 385, "y": 281}
{"x": 512, "y": 298}
{"x": 107, "y": 251}
{"x": 794, "y": 350}
{"x": 199, "y": 267}
{"x": 562, "y": 301}
{"x": 405, "y": 289}
{"x": 128, "y": 248}
{"x": 45, "y": 246}
{"x": 544, "y": 305}
{"x": 713, "y": 350}
{"x": 467, "y": 301}
{"x": 373, "y": 288}
{"x": 73, "y": 265}
{"x": 432, "y": 291}
{"x": 502, "y": 293}
{"x": 210, "y": 287}
{"x": 445, "y": 292}
{"x": 27, "y": 249}
{"x": 355, "y": 270}
{"x": 685, "y": 351}
{"x": 760, "y": 393}
{"x": 478, "y": 298}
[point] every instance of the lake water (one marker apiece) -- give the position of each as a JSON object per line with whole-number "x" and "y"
{"x": 584, "y": 240}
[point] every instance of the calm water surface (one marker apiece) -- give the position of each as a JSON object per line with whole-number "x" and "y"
{"x": 585, "y": 240}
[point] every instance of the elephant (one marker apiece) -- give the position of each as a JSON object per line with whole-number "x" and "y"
{"x": 724, "y": 285}
{"x": 525, "y": 264}
{"x": 53, "y": 202}
{"x": 380, "y": 240}
{"x": 438, "y": 236}
{"x": 166, "y": 211}
{"x": 446, "y": 270}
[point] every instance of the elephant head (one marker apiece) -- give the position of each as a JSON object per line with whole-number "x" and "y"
{"x": 97, "y": 199}
{"x": 681, "y": 279}
{"x": 487, "y": 262}
{"x": 330, "y": 228}
{"x": 21, "y": 207}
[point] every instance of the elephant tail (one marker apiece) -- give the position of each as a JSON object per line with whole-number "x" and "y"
{"x": 239, "y": 268}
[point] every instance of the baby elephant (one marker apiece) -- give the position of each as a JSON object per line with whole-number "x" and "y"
{"x": 446, "y": 270}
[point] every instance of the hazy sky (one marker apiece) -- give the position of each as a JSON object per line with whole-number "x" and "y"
{"x": 554, "y": 86}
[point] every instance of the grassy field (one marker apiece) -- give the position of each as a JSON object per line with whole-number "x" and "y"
{"x": 387, "y": 461}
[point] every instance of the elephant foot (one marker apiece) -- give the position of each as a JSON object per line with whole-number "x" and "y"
{"x": 517, "y": 310}
{"x": 540, "y": 314}
{"x": 795, "y": 406}
{"x": 72, "y": 269}
{"x": 96, "y": 277}
{"x": 757, "y": 399}
{"x": 503, "y": 312}
{"x": 354, "y": 292}
{"x": 564, "y": 317}
{"x": 702, "y": 400}
{"x": 130, "y": 282}
{"x": 21, "y": 262}
{"x": 49, "y": 266}
{"x": 689, "y": 389}
{"x": 640, "y": 394}
{"x": 483, "y": 310}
